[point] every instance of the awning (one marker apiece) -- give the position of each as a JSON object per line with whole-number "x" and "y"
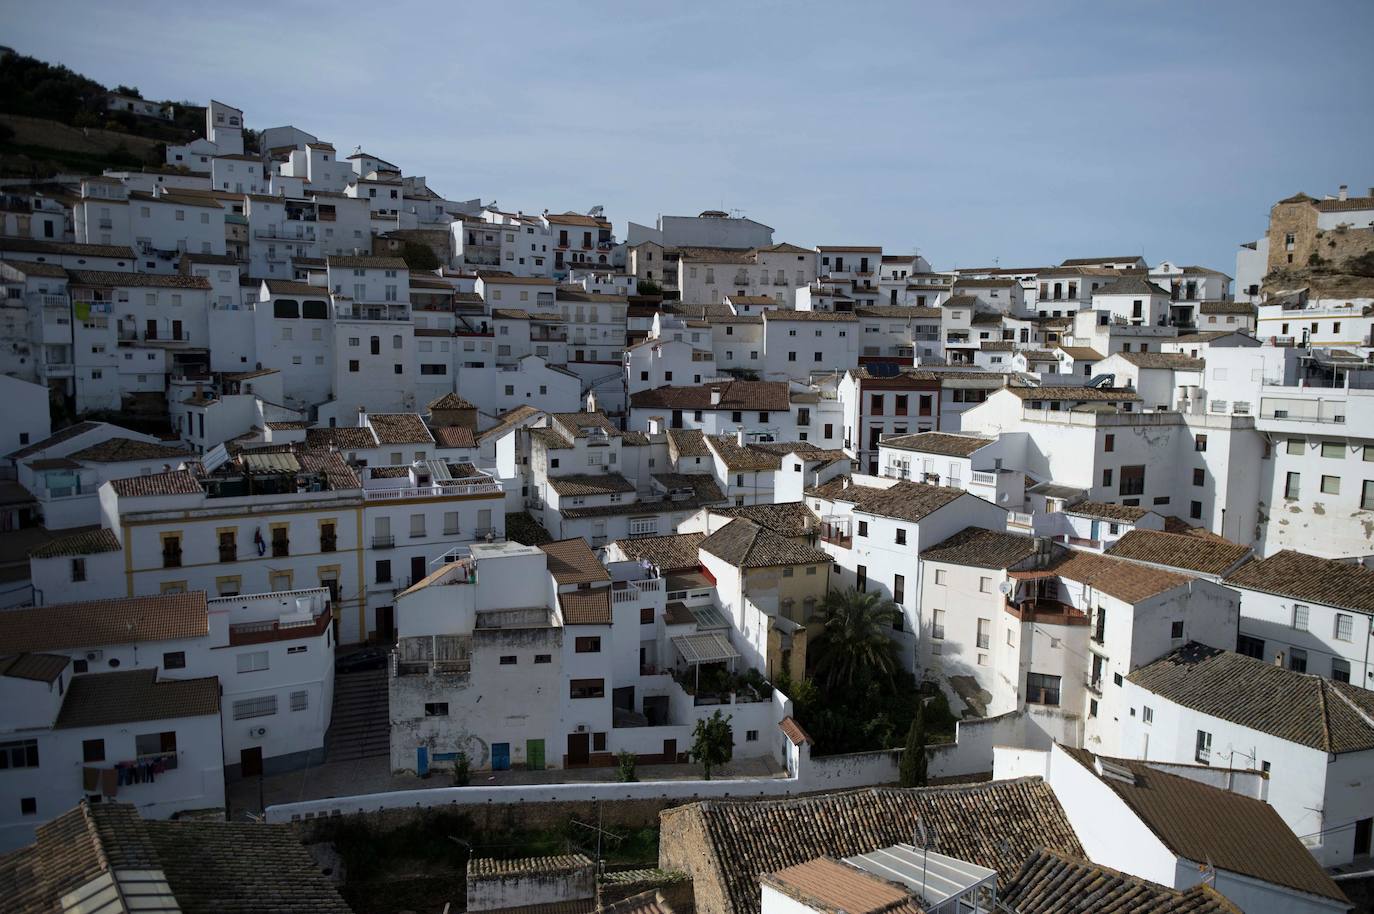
{"x": 705, "y": 647}
{"x": 708, "y": 616}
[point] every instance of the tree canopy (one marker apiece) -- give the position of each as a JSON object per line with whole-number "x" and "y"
{"x": 713, "y": 742}
{"x": 854, "y": 648}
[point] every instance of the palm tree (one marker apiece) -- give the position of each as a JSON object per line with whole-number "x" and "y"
{"x": 854, "y": 648}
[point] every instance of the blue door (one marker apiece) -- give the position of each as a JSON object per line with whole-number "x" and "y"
{"x": 500, "y": 756}
{"x": 422, "y": 760}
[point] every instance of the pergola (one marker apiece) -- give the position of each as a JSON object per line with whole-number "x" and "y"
{"x": 943, "y": 885}
{"x": 705, "y": 647}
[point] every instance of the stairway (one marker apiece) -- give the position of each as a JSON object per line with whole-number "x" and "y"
{"x": 360, "y": 726}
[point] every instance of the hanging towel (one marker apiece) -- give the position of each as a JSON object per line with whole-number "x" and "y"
{"x": 90, "y": 779}
{"x": 109, "y": 782}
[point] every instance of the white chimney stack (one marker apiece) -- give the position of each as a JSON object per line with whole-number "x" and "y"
{"x": 655, "y": 424}
{"x": 739, "y": 436}
{"x": 1344, "y": 193}
{"x": 715, "y": 396}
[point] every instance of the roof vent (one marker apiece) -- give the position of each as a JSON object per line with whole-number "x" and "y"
{"x": 1115, "y": 772}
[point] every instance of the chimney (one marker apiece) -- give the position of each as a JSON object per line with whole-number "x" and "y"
{"x": 655, "y": 424}
{"x": 739, "y": 436}
{"x": 1343, "y": 193}
{"x": 1278, "y": 659}
{"x": 362, "y": 416}
{"x": 715, "y": 396}
{"x": 200, "y": 390}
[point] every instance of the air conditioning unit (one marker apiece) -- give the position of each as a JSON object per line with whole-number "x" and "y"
{"x": 93, "y": 656}
{"x": 258, "y": 732}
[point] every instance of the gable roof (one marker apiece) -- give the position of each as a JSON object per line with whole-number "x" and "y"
{"x": 1203, "y": 823}
{"x": 119, "y": 450}
{"x": 586, "y": 607}
{"x": 905, "y": 500}
{"x": 210, "y": 867}
{"x": 56, "y": 437}
{"x": 996, "y": 825}
{"x": 590, "y": 484}
{"x": 1051, "y": 882}
{"x": 342, "y": 436}
{"x": 673, "y": 552}
{"x": 177, "y": 482}
{"x": 745, "y": 544}
{"x": 454, "y": 436}
{"x": 789, "y": 518}
{"x": 1125, "y": 513}
{"x": 1075, "y": 394}
{"x": 85, "y": 541}
{"x": 123, "y": 620}
{"x": 982, "y": 548}
{"x": 766, "y": 396}
{"x": 1130, "y": 285}
{"x": 101, "y": 699}
{"x": 572, "y": 561}
{"x": 941, "y": 443}
{"x": 507, "y": 421}
{"x": 1320, "y": 713}
{"x": 687, "y": 442}
{"x": 1172, "y": 360}
{"x": 1207, "y": 555}
{"x": 1306, "y": 577}
{"x": 399, "y": 428}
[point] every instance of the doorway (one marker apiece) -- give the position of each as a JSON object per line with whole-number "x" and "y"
{"x": 1364, "y": 832}
{"x": 534, "y": 754}
{"x": 500, "y": 756}
{"x": 250, "y": 762}
{"x": 386, "y": 624}
{"x": 417, "y": 568}
{"x": 579, "y": 749}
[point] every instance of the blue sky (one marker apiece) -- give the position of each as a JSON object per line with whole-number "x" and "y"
{"x": 1025, "y": 132}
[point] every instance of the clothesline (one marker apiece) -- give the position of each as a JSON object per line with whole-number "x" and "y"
{"x": 143, "y": 770}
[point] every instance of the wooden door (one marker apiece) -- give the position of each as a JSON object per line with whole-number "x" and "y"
{"x": 579, "y": 749}
{"x": 534, "y": 754}
{"x": 386, "y": 624}
{"x": 670, "y": 751}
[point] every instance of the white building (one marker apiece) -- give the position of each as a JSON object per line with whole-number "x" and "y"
{"x": 1313, "y": 739}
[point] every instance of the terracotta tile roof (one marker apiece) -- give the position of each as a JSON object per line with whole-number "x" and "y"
{"x": 794, "y": 732}
{"x": 590, "y": 484}
{"x": 38, "y": 667}
{"x": 904, "y": 500}
{"x": 507, "y": 421}
{"x": 586, "y": 607}
{"x": 490, "y": 867}
{"x": 119, "y": 450}
{"x": 1075, "y": 394}
{"x": 454, "y": 436}
{"x": 1177, "y": 550}
{"x": 365, "y": 262}
{"x": 1202, "y": 823}
{"x": 996, "y": 825}
{"x": 101, "y": 699}
{"x": 789, "y": 518}
{"x": 451, "y": 401}
{"x": 783, "y": 316}
{"x": 399, "y": 428}
{"x": 1125, "y": 513}
{"x": 289, "y": 425}
{"x": 88, "y": 541}
{"x": 577, "y": 219}
{"x": 1310, "y": 710}
{"x": 767, "y": 396}
{"x": 716, "y": 255}
{"x": 343, "y": 436}
{"x": 826, "y": 884}
{"x": 1119, "y": 578}
{"x": 898, "y": 312}
{"x": 687, "y": 443}
{"x": 674, "y": 552}
{"x": 1094, "y": 261}
{"x": 177, "y": 482}
{"x": 34, "y": 246}
{"x": 335, "y": 469}
{"x": 572, "y": 561}
{"x": 55, "y": 438}
{"x": 1173, "y": 360}
{"x": 982, "y": 548}
{"x": 122, "y": 620}
{"x": 850, "y": 249}
{"x": 745, "y": 544}
{"x": 36, "y": 268}
{"x": 1350, "y": 204}
{"x": 1306, "y": 577}
{"x": 1050, "y": 883}
{"x": 291, "y": 287}
{"x": 576, "y": 425}
{"x": 1130, "y": 285}
{"x": 1082, "y": 353}
{"x": 741, "y": 458}
{"x": 105, "y": 278}
{"x": 210, "y": 867}
{"x": 937, "y": 443}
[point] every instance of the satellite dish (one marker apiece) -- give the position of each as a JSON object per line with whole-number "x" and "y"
{"x": 1005, "y": 587}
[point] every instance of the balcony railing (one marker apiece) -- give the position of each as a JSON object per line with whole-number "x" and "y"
{"x": 228, "y": 553}
{"x": 456, "y": 487}
{"x": 329, "y": 542}
{"x": 281, "y": 548}
{"x": 387, "y": 541}
{"x": 171, "y": 558}
{"x": 277, "y": 630}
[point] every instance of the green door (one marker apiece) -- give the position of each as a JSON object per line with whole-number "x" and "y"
{"x": 534, "y": 754}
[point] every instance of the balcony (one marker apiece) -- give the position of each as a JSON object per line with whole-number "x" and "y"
{"x": 1093, "y": 684}
{"x": 451, "y": 488}
{"x": 381, "y": 541}
{"x": 274, "y": 234}
{"x": 329, "y": 542}
{"x": 837, "y": 532}
{"x": 171, "y": 558}
{"x": 228, "y": 553}
{"x": 278, "y": 629}
{"x": 281, "y": 548}
{"x": 1050, "y": 612}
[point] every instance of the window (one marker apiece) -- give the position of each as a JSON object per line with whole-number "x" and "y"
{"x": 1176, "y": 629}
{"x": 28, "y": 806}
{"x": 863, "y": 528}
{"x": 939, "y": 576}
{"x": 586, "y": 688}
{"x": 901, "y": 536}
{"x": 1367, "y": 495}
{"x": 1109, "y": 443}
{"x": 937, "y": 625}
{"x": 1340, "y": 669}
{"x": 1195, "y": 510}
{"x": 300, "y": 701}
{"x": 1295, "y": 447}
{"x": 92, "y": 750}
{"x": 1199, "y": 476}
{"x": 383, "y": 575}
{"x": 751, "y": 736}
{"x": 1299, "y": 617}
{"x": 1250, "y": 646}
{"x": 78, "y": 569}
{"x": 861, "y": 578}
{"x": 1292, "y": 486}
{"x": 984, "y": 633}
{"x": 1333, "y": 449}
{"x": 252, "y": 661}
{"x": 1042, "y": 689}
{"x": 508, "y": 660}
{"x": 1107, "y": 478}
{"x": 1345, "y": 627}
{"x": 1331, "y": 485}
{"x": 898, "y": 596}
{"x": 436, "y": 709}
{"x": 299, "y": 648}
{"x": 21, "y": 753}
{"x": 543, "y": 658}
{"x": 587, "y": 644}
{"x": 1203, "y": 753}
{"x": 263, "y": 706}
{"x": 1132, "y": 480}
{"x": 985, "y": 585}
{"x": 1297, "y": 660}
{"x": 174, "y": 660}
